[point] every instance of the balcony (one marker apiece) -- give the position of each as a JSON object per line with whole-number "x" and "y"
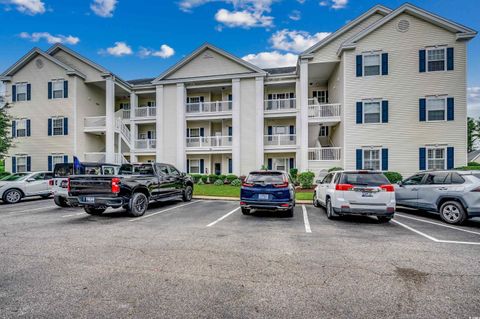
{"x": 279, "y": 107}
{"x": 209, "y": 143}
{"x": 146, "y": 145}
{"x": 98, "y": 125}
{"x": 280, "y": 141}
{"x": 217, "y": 109}
{"x": 100, "y": 157}
{"x": 323, "y": 112}
{"x": 325, "y": 154}
{"x": 146, "y": 112}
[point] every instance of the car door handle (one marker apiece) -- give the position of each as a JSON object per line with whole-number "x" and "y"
{"x": 414, "y": 189}
{"x": 442, "y": 188}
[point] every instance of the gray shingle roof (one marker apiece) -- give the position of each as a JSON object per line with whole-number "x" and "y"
{"x": 283, "y": 70}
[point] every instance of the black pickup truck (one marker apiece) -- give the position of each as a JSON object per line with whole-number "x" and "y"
{"x": 135, "y": 186}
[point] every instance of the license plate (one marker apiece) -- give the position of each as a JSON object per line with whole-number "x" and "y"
{"x": 89, "y": 199}
{"x": 364, "y": 194}
{"x": 263, "y": 196}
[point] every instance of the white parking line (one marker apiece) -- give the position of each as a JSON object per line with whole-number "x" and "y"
{"x": 305, "y": 220}
{"x": 30, "y": 210}
{"x": 76, "y": 214}
{"x": 162, "y": 211}
{"x": 438, "y": 224}
{"x": 433, "y": 238}
{"x": 223, "y": 217}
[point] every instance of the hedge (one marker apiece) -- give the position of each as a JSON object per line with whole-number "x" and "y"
{"x": 306, "y": 179}
{"x": 333, "y": 169}
{"x": 393, "y": 177}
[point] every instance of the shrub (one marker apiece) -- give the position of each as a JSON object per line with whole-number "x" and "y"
{"x": 212, "y": 178}
{"x": 306, "y": 179}
{"x": 230, "y": 178}
{"x": 236, "y": 182}
{"x": 393, "y": 177}
{"x": 473, "y": 164}
{"x": 200, "y": 181}
{"x": 204, "y": 179}
{"x": 468, "y": 168}
{"x": 196, "y": 177}
{"x": 222, "y": 178}
{"x": 264, "y": 168}
{"x": 333, "y": 169}
{"x": 218, "y": 182}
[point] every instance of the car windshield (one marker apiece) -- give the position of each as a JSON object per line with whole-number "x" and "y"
{"x": 364, "y": 179}
{"x": 15, "y": 177}
{"x": 140, "y": 169}
{"x": 265, "y": 178}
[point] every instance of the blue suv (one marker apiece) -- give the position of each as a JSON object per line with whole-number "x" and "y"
{"x": 268, "y": 190}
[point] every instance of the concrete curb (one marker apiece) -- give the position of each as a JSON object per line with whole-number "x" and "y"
{"x": 236, "y": 199}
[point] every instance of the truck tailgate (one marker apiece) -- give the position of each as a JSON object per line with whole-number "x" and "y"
{"x": 90, "y": 185}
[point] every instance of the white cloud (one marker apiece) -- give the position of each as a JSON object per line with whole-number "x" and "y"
{"x": 244, "y": 19}
{"x": 295, "y": 41}
{"x": 30, "y": 7}
{"x": 334, "y": 4}
{"x": 323, "y": 3}
{"x": 473, "y": 101}
{"x": 119, "y": 49}
{"x": 164, "y": 52}
{"x": 103, "y": 8}
{"x": 295, "y": 15}
{"x": 301, "y": 1}
{"x": 59, "y": 38}
{"x": 271, "y": 59}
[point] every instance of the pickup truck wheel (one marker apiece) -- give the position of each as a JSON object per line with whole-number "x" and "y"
{"x": 187, "y": 194}
{"x": 12, "y": 196}
{"x": 94, "y": 211}
{"x": 384, "y": 219}
{"x": 60, "y": 201}
{"x": 452, "y": 213}
{"x": 138, "y": 204}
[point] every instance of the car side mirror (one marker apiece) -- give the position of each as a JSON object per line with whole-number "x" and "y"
{"x": 31, "y": 180}
{"x": 400, "y": 183}
{"x": 183, "y": 174}
{"x": 318, "y": 182}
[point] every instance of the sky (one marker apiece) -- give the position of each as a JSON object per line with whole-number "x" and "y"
{"x": 142, "y": 38}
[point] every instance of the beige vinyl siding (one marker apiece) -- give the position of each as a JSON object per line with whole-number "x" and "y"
{"x": 91, "y": 73}
{"x": 336, "y": 95}
{"x": 403, "y": 87}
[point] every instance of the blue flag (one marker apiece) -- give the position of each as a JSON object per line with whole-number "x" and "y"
{"x": 76, "y": 164}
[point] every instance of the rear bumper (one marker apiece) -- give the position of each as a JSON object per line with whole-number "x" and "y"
{"x": 249, "y": 204}
{"x": 114, "y": 202}
{"x": 389, "y": 212}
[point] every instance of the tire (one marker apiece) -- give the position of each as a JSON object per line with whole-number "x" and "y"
{"x": 94, "y": 211}
{"x": 12, "y": 196}
{"x": 187, "y": 194}
{"x": 453, "y": 212}
{"x": 245, "y": 211}
{"x": 138, "y": 205}
{"x": 329, "y": 209}
{"x": 60, "y": 201}
{"x": 315, "y": 200}
{"x": 384, "y": 219}
{"x": 289, "y": 213}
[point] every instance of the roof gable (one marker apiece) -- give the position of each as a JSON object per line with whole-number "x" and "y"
{"x": 208, "y": 61}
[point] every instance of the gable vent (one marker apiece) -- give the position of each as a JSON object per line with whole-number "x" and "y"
{"x": 403, "y": 25}
{"x": 39, "y": 63}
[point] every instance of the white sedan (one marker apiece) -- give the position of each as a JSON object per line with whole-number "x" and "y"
{"x": 17, "y": 186}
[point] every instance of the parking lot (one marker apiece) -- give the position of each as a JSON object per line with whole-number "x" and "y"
{"x": 205, "y": 259}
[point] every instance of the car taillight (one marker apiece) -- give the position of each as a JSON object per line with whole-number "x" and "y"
{"x": 477, "y": 190}
{"x": 283, "y": 185}
{"x": 247, "y": 185}
{"x": 115, "y": 185}
{"x": 50, "y": 182}
{"x": 387, "y": 188}
{"x": 343, "y": 187}
{"x": 68, "y": 185}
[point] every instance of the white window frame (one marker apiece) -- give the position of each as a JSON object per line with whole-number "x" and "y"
{"x": 324, "y": 96}
{"x": 17, "y": 161}
{"x": 62, "y": 81}
{"x": 24, "y": 121}
{"x": 444, "y": 48}
{"x": 190, "y": 166}
{"x": 276, "y": 130}
{"x": 370, "y": 159}
{"x": 364, "y": 55}
{"x": 324, "y": 131}
{"x": 282, "y": 95}
{"x": 57, "y": 159}
{"x": 62, "y": 120}
{"x": 152, "y": 103}
{"x": 286, "y": 163}
{"x": 124, "y": 106}
{"x": 194, "y": 97}
{"x": 17, "y": 93}
{"x": 379, "y": 111}
{"x": 444, "y": 98}
{"x": 190, "y": 129}
{"x": 434, "y": 149}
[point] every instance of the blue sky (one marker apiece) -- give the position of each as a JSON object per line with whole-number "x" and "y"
{"x": 142, "y": 38}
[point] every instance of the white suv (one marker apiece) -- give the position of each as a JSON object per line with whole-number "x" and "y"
{"x": 356, "y": 193}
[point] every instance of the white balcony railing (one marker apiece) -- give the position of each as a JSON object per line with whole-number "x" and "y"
{"x": 325, "y": 154}
{"x": 146, "y": 111}
{"x": 95, "y": 122}
{"x": 123, "y": 129}
{"x": 280, "y": 105}
{"x": 316, "y": 110}
{"x": 146, "y": 144}
{"x": 126, "y": 114}
{"x": 209, "y": 107}
{"x": 209, "y": 142}
{"x": 100, "y": 157}
{"x": 280, "y": 140}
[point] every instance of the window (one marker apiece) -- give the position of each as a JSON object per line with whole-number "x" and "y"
{"x": 456, "y": 178}
{"x": 21, "y": 91}
{"x": 21, "y": 128}
{"x": 327, "y": 179}
{"x": 436, "y": 109}
{"x": 173, "y": 171}
{"x": 281, "y": 164}
{"x": 321, "y": 96}
{"x": 371, "y": 64}
{"x": 125, "y": 106}
{"x": 57, "y": 126}
{"x": 152, "y": 103}
{"x": 323, "y": 131}
{"x": 436, "y": 59}
{"x": 21, "y": 164}
{"x": 194, "y": 132}
{"x": 371, "y": 112}
{"x": 438, "y": 178}
{"x": 194, "y": 99}
{"x": 436, "y": 158}
{"x": 57, "y": 89}
{"x": 371, "y": 159}
{"x": 57, "y": 159}
{"x": 194, "y": 166}
{"x": 414, "y": 180}
{"x": 280, "y": 130}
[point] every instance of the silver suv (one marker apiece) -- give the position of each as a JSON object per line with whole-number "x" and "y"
{"x": 453, "y": 194}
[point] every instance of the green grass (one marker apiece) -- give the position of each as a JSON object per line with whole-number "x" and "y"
{"x": 232, "y": 191}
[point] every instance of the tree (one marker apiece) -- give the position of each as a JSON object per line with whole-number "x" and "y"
{"x": 5, "y": 134}
{"x": 473, "y": 133}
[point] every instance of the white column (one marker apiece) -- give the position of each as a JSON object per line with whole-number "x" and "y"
{"x": 133, "y": 104}
{"x": 75, "y": 119}
{"x": 159, "y": 123}
{"x": 133, "y": 138}
{"x": 298, "y": 122}
{"x": 181, "y": 127}
{"x": 110, "y": 120}
{"x": 303, "y": 127}
{"x": 236, "y": 127}
{"x": 259, "y": 99}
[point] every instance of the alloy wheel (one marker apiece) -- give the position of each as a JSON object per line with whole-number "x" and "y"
{"x": 451, "y": 213}
{"x": 13, "y": 196}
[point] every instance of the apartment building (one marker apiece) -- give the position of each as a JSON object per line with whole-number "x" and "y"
{"x": 387, "y": 91}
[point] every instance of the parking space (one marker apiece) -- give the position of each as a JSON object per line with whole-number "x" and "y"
{"x": 206, "y": 259}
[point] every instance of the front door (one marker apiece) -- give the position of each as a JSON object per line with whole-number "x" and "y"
{"x": 37, "y": 184}
{"x": 218, "y": 168}
{"x": 407, "y": 193}
{"x": 166, "y": 186}
{"x": 435, "y": 185}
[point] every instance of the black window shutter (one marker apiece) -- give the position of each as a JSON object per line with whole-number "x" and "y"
{"x": 14, "y": 128}
{"x": 359, "y": 65}
{"x": 359, "y": 112}
{"x": 359, "y": 158}
{"x": 49, "y": 90}
{"x": 450, "y": 158}
{"x": 384, "y": 63}
{"x": 384, "y": 111}
{"x": 65, "y": 89}
{"x": 450, "y": 62}
{"x": 384, "y": 159}
{"x": 14, "y": 93}
{"x": 422, "y": 110}
{"x": 49, "y": 127}
{"x": 450, "y": 109}
{"x": 14, "y": 164}
{"x": 29, "y": 163}
{"x": 422, "y": 158}
{"x": 29, "y": 92}
{"x": 50, "y": 163}
{"x": 65, "y": 126}
{"x": 29, "y": 130}
{"x": 422, "y": 61}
